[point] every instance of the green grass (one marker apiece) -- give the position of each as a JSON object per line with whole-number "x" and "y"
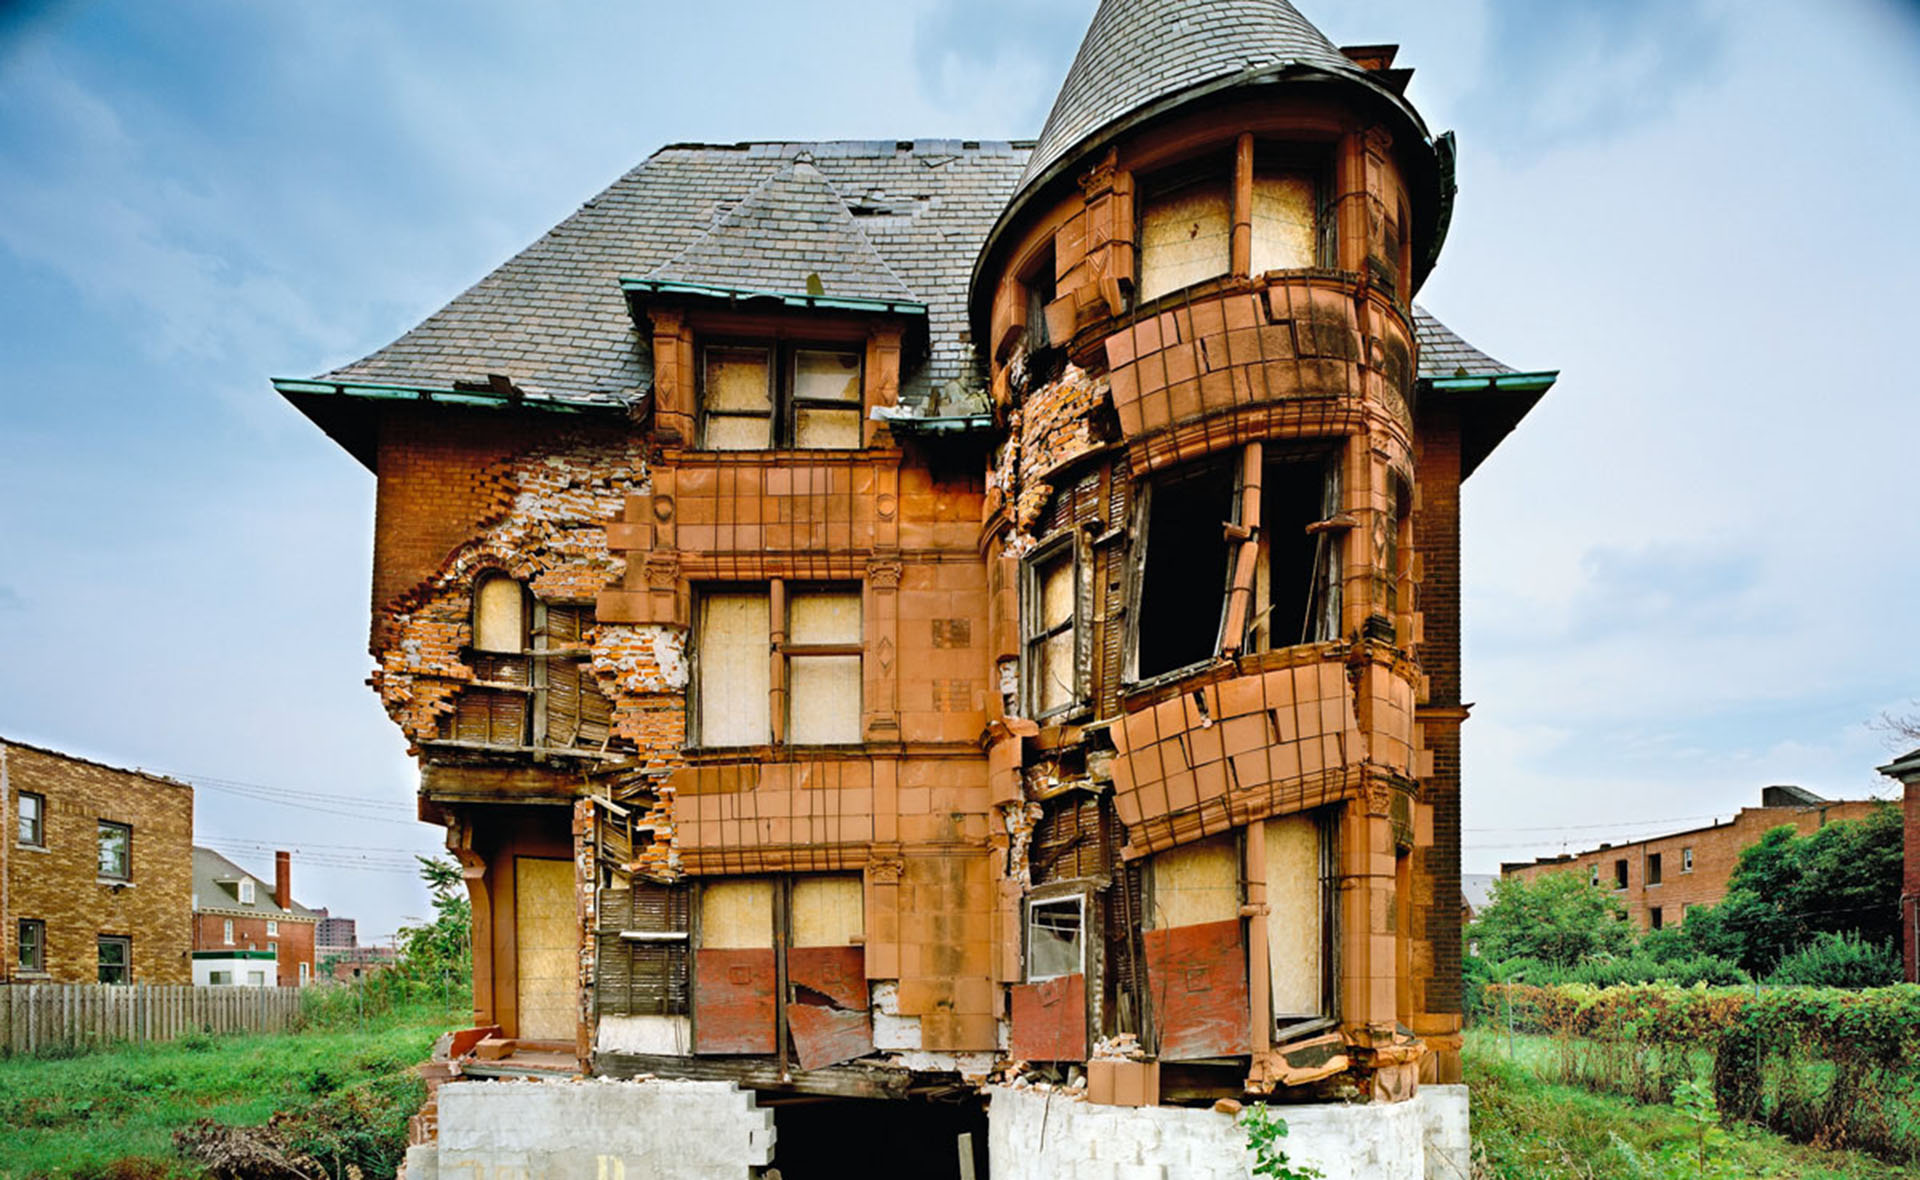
{"x": 1528, "y": 1129}
{"x": 112, "y": 1114}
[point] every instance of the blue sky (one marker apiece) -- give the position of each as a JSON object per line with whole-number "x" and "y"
{"x": 1689, "y": 574}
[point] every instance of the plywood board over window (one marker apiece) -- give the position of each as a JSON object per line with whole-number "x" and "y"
{"x": 1195, "y": 883}
{"x": 823, "y": 641}
{"x": 734, "y": 669}
{"x": 737, "y": 397}
{"x": 1186, "y": 236}
{"x": 548, "y": 961}
{"x": 1296, "y": 916}
{"x": 828, "y": 1008}
{"x": 1284, "y": 235}
{"x": 734, "y": 973}
{"x": 826, "y": 399}
{"x": 829, "y": 909}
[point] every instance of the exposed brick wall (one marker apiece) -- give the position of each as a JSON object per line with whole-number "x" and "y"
{"x": 1436, "y": 542}
{"x": 1716, "y": 853}
{"x": 293, "y": 941}
{"x": 62, "y": 886}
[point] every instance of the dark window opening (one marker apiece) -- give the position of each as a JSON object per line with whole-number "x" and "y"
{"x": 1619, "y": 874}
{"x": 116, "y": 959}
{"x": 1178, "y": 617}
{"x": 917, "y": 1137}
{"x": 1041, "y": 289}
{"x": 1654, "y": 918}
{"x": 1653, "y": 869}
{"x": 1302, "y": 572}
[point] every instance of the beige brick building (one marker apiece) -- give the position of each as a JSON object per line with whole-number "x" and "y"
{"x": 98, "y": 870}
{"x": 1659, "y": 878}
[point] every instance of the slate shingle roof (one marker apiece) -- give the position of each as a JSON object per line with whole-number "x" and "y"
{"x": 1137, "y": 51}
{"x": 553, "y": 318}
{"x": 1444, "y": 354}
{"x": 216, "y": 886}
{"x": 873, "y": 218}
{"x": 791, "y": 234}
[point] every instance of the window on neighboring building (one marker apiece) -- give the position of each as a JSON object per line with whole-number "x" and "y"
{"x": 533, "y": 682}
{"x": 1654, "y": 918}
{"x": 32, "y": 829}
{"x": 817, "y": 658}
{"x": 256, "y": 979}
{"x": 1056, "y": 938}
{"x": 306, "y": 972}
{"x": 1653, "y": 868}
{"x": 219, "y": 978}
{"x": 1686, "y": 860}
{"x": 273, "y": 948}
{"x": 273, "y": 928}
{"x": 116, "y": 851}
{"x": 227, "y": 931}
{"x": 1052, "y": 593}
{"x": 33, "y": 947}
{"x": 755, "y": 397}
{"x": 1619, "y": 874}
{"x": 1593, "y": 875}
{"x": 246, "y": 891}
{"x": 116, "y": 959}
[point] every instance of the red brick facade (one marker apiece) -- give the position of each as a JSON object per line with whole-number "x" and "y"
{"x": 57, "y": 884}
{"x": 1714, "y": 853}
{"x": 290, "y": 938}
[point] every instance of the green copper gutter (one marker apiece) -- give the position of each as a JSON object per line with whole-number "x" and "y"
{"x": 951, "y": 424}
{"x": 1495, "y": 382}
{"x": 483, "y": 399}
{"x": 739, "y": 294}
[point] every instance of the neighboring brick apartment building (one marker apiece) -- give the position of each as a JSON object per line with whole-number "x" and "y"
{"x": 864, "y": 609}
{"x": 1905, "y": 770}
{"x": 235, "y": 910}
{"x": 95, "y": 871}
{"x": 1658, "y": 878}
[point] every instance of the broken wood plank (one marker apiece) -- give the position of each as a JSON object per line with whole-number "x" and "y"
{"x": 761, "y": 1073}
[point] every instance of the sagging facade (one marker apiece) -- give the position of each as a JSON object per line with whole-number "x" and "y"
{"x": 872, "y": 613}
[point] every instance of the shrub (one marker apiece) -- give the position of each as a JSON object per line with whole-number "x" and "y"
{"x": 1839, "y": 960}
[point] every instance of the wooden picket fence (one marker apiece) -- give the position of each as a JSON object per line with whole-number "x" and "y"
{"x": 38, "y": 1017}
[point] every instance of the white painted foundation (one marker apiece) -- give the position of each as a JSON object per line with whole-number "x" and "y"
{"x": 1044, "y": 1135}
{"x": 596, "y": 1130}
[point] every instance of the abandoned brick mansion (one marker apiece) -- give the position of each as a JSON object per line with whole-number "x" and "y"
{"x": 880, "y": 619}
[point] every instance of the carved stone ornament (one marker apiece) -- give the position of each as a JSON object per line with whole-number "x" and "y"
{"x": 884, "y": 573}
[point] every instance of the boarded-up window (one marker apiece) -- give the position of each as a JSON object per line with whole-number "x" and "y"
{"x": 733, "y": 660}
{"x": 546, "y": 947}
{"x": 1186, "y": 236}
{"x": 499, "y": 616}
{"x": 737, "y": 399}
{"x": 1297, "y": 903}
{"x": 734, "y": 970}
{"x": 642, "y": 968}
{"x": 737, "y": 914}
{"x": 826, "y": 399}
{"x": 828, "y": 909}
{"x": 823, "y": 666}
{"x": 1047, "y": 616}
{"x": 1194, "y": 884}
{"x": 1284, "y": 225}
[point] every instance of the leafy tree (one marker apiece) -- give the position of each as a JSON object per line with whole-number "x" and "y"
{"x": 1558, "y": 919}
{"x": 1841, "y": 879}
{"x": 441, "y": 948}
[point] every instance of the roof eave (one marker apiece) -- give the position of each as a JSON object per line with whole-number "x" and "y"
{"x": 346, "y": 411}
{"x": 1491, "y": 405}
{"x": 1905, "y": 768}
{"x": 736, "y": 295}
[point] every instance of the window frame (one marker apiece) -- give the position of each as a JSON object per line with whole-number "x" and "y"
{"x": 1622, "y": 873}
{"x": 226, "y": 932}
{"x": 39, "y": 837}
{"x": 1655, "y": 869}
{"x": 248, "y": 892}
{"x": 125, "y": 967}
{"x": 1032, "y": 615}
{"x": 273, "y": 928}
{"x": 1686, "y": 858}
{"x": 783, "y": 401}
{"x": 1077, "y": 898}
{"x": 38, "y": 927}
{"x": 105, "y": 874}
{"x": 784, "y": 650}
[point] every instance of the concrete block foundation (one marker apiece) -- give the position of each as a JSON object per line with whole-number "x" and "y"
{"x": 596, "y": 1130}
{"x": 1041, "y": 1135}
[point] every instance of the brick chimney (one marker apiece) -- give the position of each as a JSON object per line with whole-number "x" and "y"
{"x": 283, "y": 880}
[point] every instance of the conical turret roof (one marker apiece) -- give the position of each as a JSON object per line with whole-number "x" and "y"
{"x": 1140, "y": 51}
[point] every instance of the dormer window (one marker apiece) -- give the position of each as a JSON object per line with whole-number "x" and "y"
{"x": 246, "y": 891}
{"x": 756, "y": 397}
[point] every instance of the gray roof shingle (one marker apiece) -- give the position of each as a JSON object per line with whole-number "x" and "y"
{"x": 872, "y": 218}
{"x": 789, "y": 234}
{"x": 1138, "y": 51}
